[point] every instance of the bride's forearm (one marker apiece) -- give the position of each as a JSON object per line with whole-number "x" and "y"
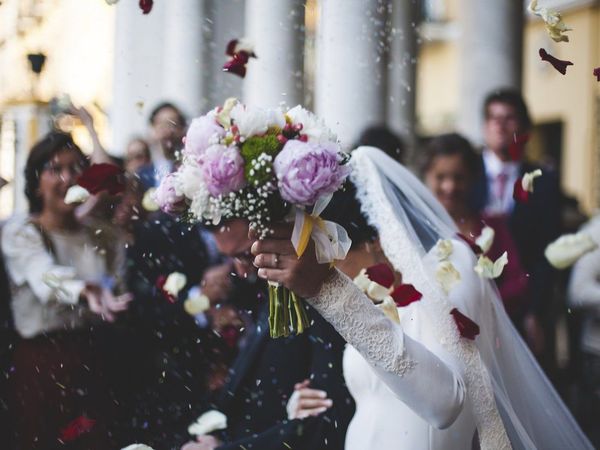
{"x": 407, "y": 367}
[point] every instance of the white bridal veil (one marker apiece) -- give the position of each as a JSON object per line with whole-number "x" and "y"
{"x": 510, "y": 393}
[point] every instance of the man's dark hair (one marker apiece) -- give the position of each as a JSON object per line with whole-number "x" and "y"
{"x": 41, "y": 153}
{"x": 449, "y": 145}
{"x": 383, "y": 138}
{"x": 510, "y": 97}
{"x": 167, "y": 105}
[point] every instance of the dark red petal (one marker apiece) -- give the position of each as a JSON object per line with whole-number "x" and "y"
{"x": 236, "y": 67}
{"x": 466, "y": 327}
{"x": 230, "y": 50}
{"x": 519, "y": 194}
{"x": 517, "y": 147}
{"x": 102, "y": 177}
{"x": 146, "y": 6}
{"x": 476, "y": 248}
{"x": 76, "y": 428}
{"x": 160, "y": 283}
{"x": 405, "y": 294}
{"x": 381, "y": 274}
{"x": 558, "y": 64}
{"x": 597, "y": 73}
{"x": 230, "y": 335}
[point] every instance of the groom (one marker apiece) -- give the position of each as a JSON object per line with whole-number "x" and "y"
{"x": 264, "y": 375}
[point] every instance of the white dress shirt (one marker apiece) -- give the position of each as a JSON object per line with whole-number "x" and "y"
{"x": 500, "y": 197}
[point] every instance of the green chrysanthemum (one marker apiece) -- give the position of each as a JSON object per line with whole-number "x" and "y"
{"x": 258, "y": 153}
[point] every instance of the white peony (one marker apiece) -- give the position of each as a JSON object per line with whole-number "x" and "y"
{"x": 486, "y": 268}
{"x": 175, "y": 283}
{"x": 486, "y": 239}
{"x": 76, "y": 194}
{"x": 208, "y": 422}
{"x": 312, "y": 126}
{"x": 567, "y": 249}
{"x": 444, "y": 249}
{"x": 447, "y": 275}
{"x": 253, "y": 121}
{"x": 189, "y": 180}
{"x": 528, "y": 178}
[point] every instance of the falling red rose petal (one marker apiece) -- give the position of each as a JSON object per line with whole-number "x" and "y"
{"x": 381, "y": 274}
{"x": 519, "y": 194}
{"x": 558, "y": 64}
{"x": 102, "y": 177}
{"x": 476, "y": 248}
{"x": 597, "y": 73}
{"x": 230, "y": 335}
{"x": 76, "y": 428}
{"x": 230, "y": 50}
{"x": 405, "y": 294}
{"x": 466, "y": 327}
{"x": 146, "y": 6}
{"x": 517, "y": 147}
{"x": 160, "y": 283}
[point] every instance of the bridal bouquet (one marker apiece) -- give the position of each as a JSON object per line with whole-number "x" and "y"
{"x": 265, "y": 166}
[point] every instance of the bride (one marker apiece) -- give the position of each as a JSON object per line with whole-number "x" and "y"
{"x": 420, "y": 384}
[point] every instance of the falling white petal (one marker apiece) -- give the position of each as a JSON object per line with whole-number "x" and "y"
{"x": 567, "y": 249}
{"x": 486, "y": 268}
{"x": 76, "y": 194}
{"x": 486, "y": 239}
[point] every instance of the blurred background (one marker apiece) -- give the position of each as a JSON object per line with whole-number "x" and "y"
{"x": 419, "y": 67}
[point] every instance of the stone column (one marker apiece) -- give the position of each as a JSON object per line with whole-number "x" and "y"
{"x": 183, "y": 60}
{"x": 402, "y": 70}
{"x": 350, "y": 78}
{"x": 491, "y": 47}
{"x": 276, "y": 29}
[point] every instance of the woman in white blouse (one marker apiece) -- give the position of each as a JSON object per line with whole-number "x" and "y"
{"x": 62, "y": 275}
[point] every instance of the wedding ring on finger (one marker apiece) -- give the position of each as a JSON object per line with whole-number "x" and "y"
{"x": 275, "y": 260}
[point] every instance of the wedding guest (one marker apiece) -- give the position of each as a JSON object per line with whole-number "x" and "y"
{"x": 64, "y": 278}
{"x": 264, "y": 374}
{"x": 449, "y": 170}
{"x": 533, "y": 224}
{"x": 137, "y": 154}
{"x": 167, "y": 129}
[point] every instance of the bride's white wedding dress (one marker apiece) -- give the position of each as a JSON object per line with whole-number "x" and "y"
{"x": 419, "y": 384}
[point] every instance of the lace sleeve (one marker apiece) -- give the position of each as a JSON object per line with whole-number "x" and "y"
{"x": 407, "y": 367}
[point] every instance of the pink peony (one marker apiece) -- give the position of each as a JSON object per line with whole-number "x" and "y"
{"x": 203, "y": 132}
{"x": 307, "y": 171}
{"x": 167, "y": 196}
{"x": 223, "y": 169}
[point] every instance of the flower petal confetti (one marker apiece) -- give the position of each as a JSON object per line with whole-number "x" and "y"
{"x": 174, "y": 283}
{"x": 148, "y": 202}
{"x": 405, "y": 294}
{"x": 466, "y": 327}
{"x": 486, "y": 268}
{"x": 558, "y": 64}
{"x": 196, "y": 304}
{"x": 208, "y": 422}
{"x": 146, "y": 6}
{"x": 76, "y": 194}
{"x": 553, "y": 21}
{"x": 486, "y": 239}
{"x": 444, "y": 249}
{"x": 76, "y": 428}
{"x": 597, "y": 73}
{"x": 567, "y": 249}
{"x": 517, "y": 147}
{"x": 240, "y": 52}
{"x": 102, "y": 177}
{"x": 528, "y": 178}
{"x": 388, "y": 306}
{"x": 447, "y": 275}
{"x": 381, "y": 274}
{"x": 524, "y": 186}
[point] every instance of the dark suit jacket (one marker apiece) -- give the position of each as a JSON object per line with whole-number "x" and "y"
{"x": 263, "y": 377}
{"x": 533, "y": 226}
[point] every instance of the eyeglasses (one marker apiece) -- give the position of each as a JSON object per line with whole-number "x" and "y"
{"x": 57, "y": 170}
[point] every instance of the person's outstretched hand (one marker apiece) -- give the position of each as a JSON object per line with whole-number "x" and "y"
{"x": 277, "y": 261}
{"x": 306, "y": 402}
{"x": 103, "y": 302}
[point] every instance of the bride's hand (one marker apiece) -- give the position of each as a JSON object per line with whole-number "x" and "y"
{"x": 306, "y": 402}
{"x": 277, "y": 261}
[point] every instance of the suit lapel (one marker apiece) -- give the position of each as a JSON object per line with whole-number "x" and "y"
{"x": 246, "y": 357}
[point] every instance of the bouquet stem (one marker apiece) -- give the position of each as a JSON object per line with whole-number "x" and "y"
{"x": 286, "y": 312}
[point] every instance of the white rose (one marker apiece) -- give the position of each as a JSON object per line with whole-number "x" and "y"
{"x": 208, "y": 422}
{"x": 196, "y": 304}
{"x": 253, "y": 121}
{"x": 567, "y": 249}
{"x": 528, "y": 178}
{"x": 174, "y": 283}
{"x": 76, "y": 194}
{"x": 447, "y": 275}
{"x": 486, "y": 268}
{"x": 444, "y": 249}
{"x": 312, "y": 126}
{"x": 485, "y": 239}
